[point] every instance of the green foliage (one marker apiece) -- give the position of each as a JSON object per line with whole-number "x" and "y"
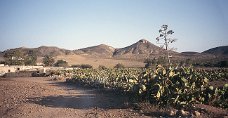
{"x": 150, "y": 62}
{"x": 188, "y": 62}
{"x": 101, "y": 67}
{"x": 82, "y": 66}
{"x": 121, "y": 79}
{"x": 31, "y": 58}
{"x": 222, "y": 98}
{"x": 155, "y": 61}
{"x": 162, "y": 60}
{"x": 2, "y": 62}
{"x": 15, "y": 57}
{"x": 75, "y": 66}
{"x": 214, "y": 74}
{"x": 48, "y": 60}
{"x": 223, "y": 63}
{"x": 61, "y": 63}
{"x": 179, "y": 87}
{"x": 212, "y": 63}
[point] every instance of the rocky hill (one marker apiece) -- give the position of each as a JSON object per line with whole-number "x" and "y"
{"x": 101, "y": 50}
{"x": 40, "y": 51}
{"x": 141, "y": 49}
{"x": 218, "y": 51}
{"x": 138, "y": 51}
{"x": 53, "y": 51}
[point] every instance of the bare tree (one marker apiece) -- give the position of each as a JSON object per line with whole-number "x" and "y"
{"x": 164, "y": 35}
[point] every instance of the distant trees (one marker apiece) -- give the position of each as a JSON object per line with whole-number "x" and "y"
{"x": 83, "y": 66}
{"x": 153, "y": 62}
{"x": 48, "y": 60}
{"x": 31, "y": 58}
{"x": 61, "y": 63}
{"x": 2, "y": 62}
{"x": 15, "y": 57}
{"x": 150, "y": 62}
{"x": 102, "y": 67}
{"x": 212, "y": 63}
{"x": 223, "y": 63}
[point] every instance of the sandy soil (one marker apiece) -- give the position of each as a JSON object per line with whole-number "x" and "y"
{"x": 32, "y": 97}
{"x": 40, "y": 97}
{"x": 95, "y": 62}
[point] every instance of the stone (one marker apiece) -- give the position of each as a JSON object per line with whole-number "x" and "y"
{"x": 182, "y": 113}
{"x": 196, "y": 113}
{"x": 171, "y": 113}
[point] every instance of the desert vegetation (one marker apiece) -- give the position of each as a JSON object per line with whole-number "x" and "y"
{"x": 167, "y": 80}
{"x": 162, "y": 82}
{"x": 113, "y": 59}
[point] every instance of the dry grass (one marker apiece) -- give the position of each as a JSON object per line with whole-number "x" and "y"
{"x": 95, "y": 62}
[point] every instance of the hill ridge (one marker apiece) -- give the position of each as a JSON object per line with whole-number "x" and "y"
{"x": 140, "y": 50}
{"x": 220, "y": 50}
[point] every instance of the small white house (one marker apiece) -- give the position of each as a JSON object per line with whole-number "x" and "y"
{"x": 7, "y": 69}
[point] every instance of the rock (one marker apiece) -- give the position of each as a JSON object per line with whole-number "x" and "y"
{"x": 171, "y": 113}
{"x": 196, "y": 113}
{"x": 182, "y": 113}
{"x": 7, "y": 105}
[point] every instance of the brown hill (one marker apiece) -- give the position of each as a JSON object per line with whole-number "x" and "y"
{"x": 101, "y": 50}
{"x": 132, "y": 55}
{"x": 140, "y": 50}
{"x": 53, "y": 51}
{"x": 219, "y": 51}
{"x": 22, "y": 50}
{"x": 40, "y": 51}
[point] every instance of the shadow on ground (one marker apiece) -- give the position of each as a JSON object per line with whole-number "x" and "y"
{"x": 82, "y": 98}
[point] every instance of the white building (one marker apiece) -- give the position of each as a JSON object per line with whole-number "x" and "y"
{"x": 7, "y": 69}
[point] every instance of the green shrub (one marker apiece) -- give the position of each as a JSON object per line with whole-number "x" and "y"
{"x": 82, "y": 66}
{"x": 61, "y": 63}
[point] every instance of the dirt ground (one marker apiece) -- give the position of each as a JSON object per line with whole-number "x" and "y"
{"x": 95, "y": 62}
{"x": 40, "y": 97}
{"x": 32, "y": 97}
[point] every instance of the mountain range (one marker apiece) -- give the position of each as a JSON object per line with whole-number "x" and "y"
{"x": 138, "y": 51}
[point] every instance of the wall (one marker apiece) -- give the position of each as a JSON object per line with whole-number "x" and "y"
{"x": 7, "y": 69}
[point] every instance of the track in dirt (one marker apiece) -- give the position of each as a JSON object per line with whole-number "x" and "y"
{"x": 41, "y": 97}
{"x": 82, "y": 98}
{"x": 34, "y": 97}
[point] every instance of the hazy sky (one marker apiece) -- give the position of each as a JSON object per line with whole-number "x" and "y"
{"x": 73, "y": 24}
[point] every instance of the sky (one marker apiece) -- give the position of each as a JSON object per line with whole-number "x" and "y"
{"x": 198, "y": 25}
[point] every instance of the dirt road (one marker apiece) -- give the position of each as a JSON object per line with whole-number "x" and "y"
{"x": 40, "y": 97}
